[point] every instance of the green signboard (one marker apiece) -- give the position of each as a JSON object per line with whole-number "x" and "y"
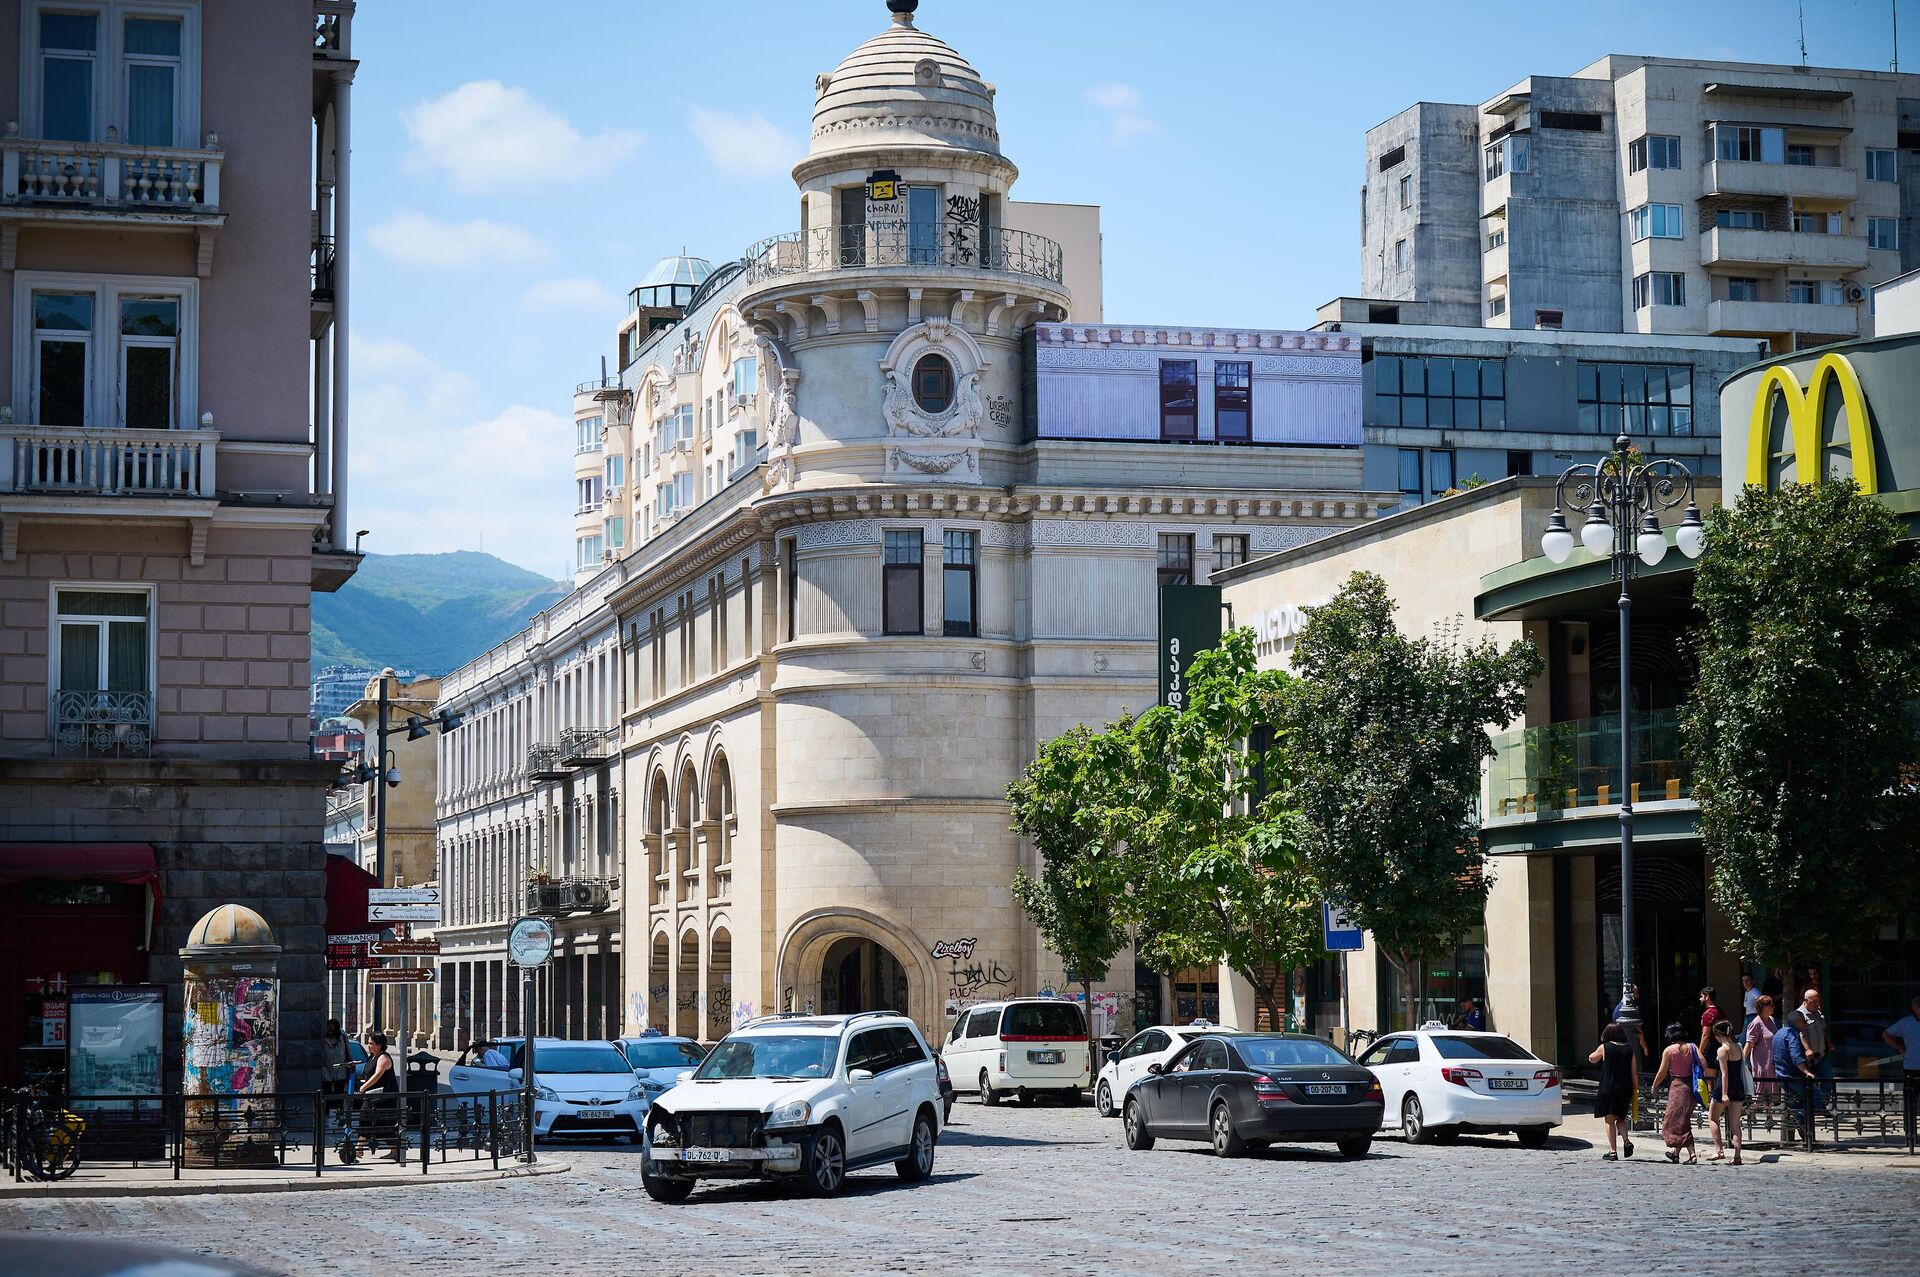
{"x": 1189, "y": 625}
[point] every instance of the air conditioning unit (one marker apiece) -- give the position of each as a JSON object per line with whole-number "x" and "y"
{"x": 683, "y": 444}
{"x": 1855, "y": 293}
{"x": 591, "y": 896}
{"x": 740, "y": 401}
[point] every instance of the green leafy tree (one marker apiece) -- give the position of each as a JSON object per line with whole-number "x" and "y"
{"x": 1388, "y": 736}
{"x": 1801, "y": 730}
{"x": 1215, "y": 848}
{"x": 1061, "y": 803}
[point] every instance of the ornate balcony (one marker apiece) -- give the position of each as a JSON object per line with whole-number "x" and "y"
{"x": 108, "y": 462}
{"x": 333, "y": 30}
{"x": 110, "y": 175}
{"x": 905, "y": 246}
{"x": 102, "y": 724}
{"x": 543, "y": 763}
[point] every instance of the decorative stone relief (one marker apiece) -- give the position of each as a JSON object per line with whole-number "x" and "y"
{"x": 979, "y": 660}
{"x": 933, "y": 462}
{"x": 934, "y": 336}
{"x": 840, "y": 532}
{"x": 1134, "y": 360}
{"x": 1100, "y": 662}
{"x": 1285, "y": 538}
{"x": 1123, "y": 533}
{"x": 1307, "y": 365}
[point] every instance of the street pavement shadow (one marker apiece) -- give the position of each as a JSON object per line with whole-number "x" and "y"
{"x": 859, "y": 1184}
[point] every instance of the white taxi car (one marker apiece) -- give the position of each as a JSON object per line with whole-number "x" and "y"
{"x": 799, "y": 1098}
{"x": 579, "y": 1088}
{"x": 1155, "y": 1045}
{"x": 1439, "y": 1082}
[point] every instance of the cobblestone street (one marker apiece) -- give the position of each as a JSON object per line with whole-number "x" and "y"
{"x": 1054, "y": 1190}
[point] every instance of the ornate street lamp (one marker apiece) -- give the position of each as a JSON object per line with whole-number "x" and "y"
{"x": 1623, "y": 496}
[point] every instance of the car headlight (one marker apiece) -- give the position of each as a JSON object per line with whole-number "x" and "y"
{"x": 798, "y": 1113}
{"x": 545, "y": 1093}
{"x": 637, "y": 1092}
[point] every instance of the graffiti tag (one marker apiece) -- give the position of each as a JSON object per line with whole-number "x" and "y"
{"x": 954, "y": 948}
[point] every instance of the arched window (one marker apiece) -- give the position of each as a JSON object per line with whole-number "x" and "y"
{"x": 933, "y": 383}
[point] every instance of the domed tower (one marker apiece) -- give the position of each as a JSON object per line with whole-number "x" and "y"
{"x": 892, "y": 313}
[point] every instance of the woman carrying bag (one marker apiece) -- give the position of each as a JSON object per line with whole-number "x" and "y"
{"x": 1683, "y": 1072}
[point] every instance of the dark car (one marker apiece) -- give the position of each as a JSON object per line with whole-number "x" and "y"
{"x": 1252, "y": 1090}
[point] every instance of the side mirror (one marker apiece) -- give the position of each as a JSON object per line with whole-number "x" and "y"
{"x": 857, "y": 1076}
{"x": 1156, "y": 1067}
{"x": 683, "y": 1075}
{"x": 515, "y": 1074}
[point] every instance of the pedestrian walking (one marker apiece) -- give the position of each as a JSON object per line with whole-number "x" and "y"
{"x": 1730, "y": 1090}
{"x": 1792, "y": 1072}
{"x": 380, "y": 1114}
{"x": 1810, "y": 1025}
{"x": 1904, "y": 1034}
{"x": 1619, "y": 1086}
{"x": 1750, "y": 996}
{"x": 1710, "y": 1015}
{"x": 1678, "y": 1065}
{"x": 1627, "y": 1014}
{"x": 333, "y": 1060}
{"x": 1759, "y": 1052}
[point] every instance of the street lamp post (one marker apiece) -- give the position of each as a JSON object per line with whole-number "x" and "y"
{"x": 1623, "y": 496}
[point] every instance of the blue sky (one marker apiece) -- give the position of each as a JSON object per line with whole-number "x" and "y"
{"x": 513, "y": 178}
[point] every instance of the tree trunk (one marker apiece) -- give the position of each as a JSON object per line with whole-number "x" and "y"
{"x": 1263, "y": 995}
{"x": 1403, "y": 967}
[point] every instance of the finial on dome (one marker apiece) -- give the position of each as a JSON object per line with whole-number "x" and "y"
{"x": 902, "y": 11}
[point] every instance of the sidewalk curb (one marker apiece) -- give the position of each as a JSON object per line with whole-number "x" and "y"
{"x": 307, "y": 1184}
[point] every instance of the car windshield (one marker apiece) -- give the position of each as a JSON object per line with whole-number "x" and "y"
{"x": 771, "y": 1055}
{"x": 658, "y": 1054}
{"x": 1282, "y": 1053}
{"x": 589, "y": 1057}
{"x": 1490, "y": 1047}
{"x": 1043, "y": 1020}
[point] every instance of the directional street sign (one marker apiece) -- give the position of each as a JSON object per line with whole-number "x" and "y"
{"x": 403, "y": 913}
{"x": 404, "y": 948}
{"x": 401, "y": 975}
{"x": 1339, "y": 932}
{"x": 403, "y": 896}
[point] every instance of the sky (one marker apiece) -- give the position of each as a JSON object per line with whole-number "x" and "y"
{"x": 513, "y": 179}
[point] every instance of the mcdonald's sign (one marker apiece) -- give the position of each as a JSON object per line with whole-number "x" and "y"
{"x": 1806, "y": 422}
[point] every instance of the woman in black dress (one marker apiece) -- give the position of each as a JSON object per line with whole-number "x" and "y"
{"x": 1619, "y": 1080}
{"x": 1730, "y": 1090}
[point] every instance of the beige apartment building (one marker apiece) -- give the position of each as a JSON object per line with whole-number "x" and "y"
{"x": 1649, "y": 195}
{"x": 899, "y": 503}
{"x": 173, "y": 295}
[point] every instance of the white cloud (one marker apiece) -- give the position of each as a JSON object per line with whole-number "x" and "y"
{"x": 1125, "y": 111}
{"x": 569, "y": 295}
{"x": 413, "y": 237}
{"x": 434, "y": 468}
{"x": 490, "y": 137}
{"x": 744, "y": 145}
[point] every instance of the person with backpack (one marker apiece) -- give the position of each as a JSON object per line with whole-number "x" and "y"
{"x": 1680, "y": 1066}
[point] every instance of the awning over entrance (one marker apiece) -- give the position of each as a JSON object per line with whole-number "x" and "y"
{"x": 347, "y": 885}
{"x": 132, "y": 863}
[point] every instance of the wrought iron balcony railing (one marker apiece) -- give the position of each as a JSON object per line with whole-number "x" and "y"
{"x": 586, "y": 746}
{"x": 906, "y": 246}
{"x": 1563, "y": 766}
{"x": 103, "y": 724}
{"x": 543, "y": 763}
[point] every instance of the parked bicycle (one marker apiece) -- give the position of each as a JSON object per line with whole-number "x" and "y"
{"x": 47, "y": 1135}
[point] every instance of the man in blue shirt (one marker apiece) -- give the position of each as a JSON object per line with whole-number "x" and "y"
{"x": 1905, "y": 1034}
{"x": 1790, "y": 1065}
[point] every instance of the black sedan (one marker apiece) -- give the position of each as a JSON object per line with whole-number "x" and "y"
{"x": 1246, "y": 1092}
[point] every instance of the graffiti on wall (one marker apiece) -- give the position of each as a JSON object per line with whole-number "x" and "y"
{"x": 963, "y": 222}
{"x": 742, "y": 1012}
{"x": 954, "y": 948}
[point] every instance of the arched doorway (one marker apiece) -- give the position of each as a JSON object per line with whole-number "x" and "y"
{"x": 857, "y": 974}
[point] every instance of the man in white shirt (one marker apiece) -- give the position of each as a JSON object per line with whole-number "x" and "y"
{"x": 1749, "y": 997}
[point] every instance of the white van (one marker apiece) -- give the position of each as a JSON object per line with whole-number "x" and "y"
{"x": 1025, "y": 1047}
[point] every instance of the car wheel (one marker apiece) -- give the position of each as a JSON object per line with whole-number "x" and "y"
{"x": 918, "y": 1163}
{"x": 1226, "y": 1140}
{"x": 1534, "y": 1136}
{"x": 987, "y": 1094}
{"x": 1103, "y": 1100}
{"x": 1355, "y": 1147}
{"x": 1413, "y": 1121}
{"x": 1139, "y": 1139}
{"x": 670, "y": 1189}
{"x": 826, "y": 1164}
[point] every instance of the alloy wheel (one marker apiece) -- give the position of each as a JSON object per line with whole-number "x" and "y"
{"x": 1413, "y": 1121}
{"x": 829, "y": 1163}
{"x": 1103, "y": 1100}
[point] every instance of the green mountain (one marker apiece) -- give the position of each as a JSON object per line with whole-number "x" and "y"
{"x": 427, "y": 612}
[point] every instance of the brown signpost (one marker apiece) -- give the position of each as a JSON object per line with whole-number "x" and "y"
{"x": 404, "y": 948}
{"x": 401, "y": 975}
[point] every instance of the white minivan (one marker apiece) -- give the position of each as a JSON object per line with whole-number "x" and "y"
{"x": 1027, "y": 1047}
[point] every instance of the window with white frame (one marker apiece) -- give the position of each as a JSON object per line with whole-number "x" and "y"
{"x": 1883, "y": 166}
{"x": 131, "y": 66}
{"x": 746, "y": 377}
{"x": 587, "y": 436}
{"x": 117, "y": 351}
{"x": 1655, "y": 150}
{"x": 1659, "y": 288}
{"x": 102, "y": 653}
{"x": 1655, "y": 221}
{"x": 616, "y": 472}
{"x": 588, "y": 549}
{"x": 1883, "y": 232}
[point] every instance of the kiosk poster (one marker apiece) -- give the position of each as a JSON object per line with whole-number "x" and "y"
{"x": 231, "y": 1029}
{"x": 114, "y": 1041}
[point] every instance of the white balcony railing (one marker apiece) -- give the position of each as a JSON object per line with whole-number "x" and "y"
{"x": 109, "y": 175}
{"x": 333, "y": 30}
{"x": 108, "y": 462}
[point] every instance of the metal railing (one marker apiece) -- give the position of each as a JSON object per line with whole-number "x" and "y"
{"x": 906, "y": 245}
{"x": 98, "y": 724}
{"x": 322, "y": 268}
{"x": 585, "y": 746}
{"x": 543, "y": 763}
{"x": 1803, "y": 1111}
{"x": 108, "y": 461}
{"x": 279, "y": 1131}
{"x": 1561, "y": 766}
{"x": 110, "y": 175}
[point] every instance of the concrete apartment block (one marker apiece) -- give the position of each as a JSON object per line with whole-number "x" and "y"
{"x": 1419, "y": 207}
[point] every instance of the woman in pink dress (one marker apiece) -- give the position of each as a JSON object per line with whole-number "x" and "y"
{"x": 1759, "y": 1049}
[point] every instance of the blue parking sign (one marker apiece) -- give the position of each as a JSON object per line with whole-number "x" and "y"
{"x": 1341, "y": 935}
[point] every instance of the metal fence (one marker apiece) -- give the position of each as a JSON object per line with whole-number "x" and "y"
{"x": 279, "y": 1131}
{"x": 905, "y": 245}
{"x": 1802, "y": 1111}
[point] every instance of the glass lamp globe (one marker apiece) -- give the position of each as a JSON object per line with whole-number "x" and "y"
{"x": 1556, "y": 542}
{"x": 1651, "y": 543}
{"x": 1596, "y": 533}
{"x": 1691, "y": 535}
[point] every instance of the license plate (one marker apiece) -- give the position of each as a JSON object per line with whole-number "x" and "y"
{"x": 1507, "y": 1083}
{"x": 1044, "y": 1057}
{"x": 1320, "y": 1088}
{"x": 704, "y": 1155}
{"x": 595, "y": 1115}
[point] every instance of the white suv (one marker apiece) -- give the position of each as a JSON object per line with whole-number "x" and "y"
{"x": 1025, "y": 1047}
{"x": 803, "y": 1097}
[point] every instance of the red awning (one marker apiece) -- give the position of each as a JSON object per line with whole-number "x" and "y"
{"x": 132, "y": 863}
{"x": 347, "y": 885}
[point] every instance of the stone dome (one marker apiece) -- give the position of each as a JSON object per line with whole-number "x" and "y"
{"x": 903, "y": 88}
{"x": 230, "y": 925}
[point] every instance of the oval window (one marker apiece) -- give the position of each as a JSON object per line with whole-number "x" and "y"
{"x": 933, "y": 383}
